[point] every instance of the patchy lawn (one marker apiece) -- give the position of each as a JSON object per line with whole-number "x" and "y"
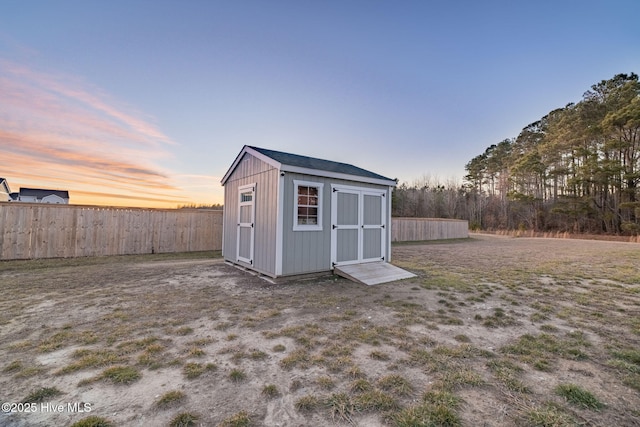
{"x": 493, "y": 331}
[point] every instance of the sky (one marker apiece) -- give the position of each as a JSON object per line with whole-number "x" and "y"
{"x": 147, "y": 102}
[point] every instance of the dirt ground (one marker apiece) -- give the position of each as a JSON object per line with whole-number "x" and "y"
{"x": 495, "y": 324}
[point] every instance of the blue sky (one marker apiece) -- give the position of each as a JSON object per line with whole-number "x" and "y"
{"x": 147, "y": 103}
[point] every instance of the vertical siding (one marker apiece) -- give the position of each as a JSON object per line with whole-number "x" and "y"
{"x": 252, "y": 170}
{"x": 310, "y": 251}
{"x": 305, "y": 251}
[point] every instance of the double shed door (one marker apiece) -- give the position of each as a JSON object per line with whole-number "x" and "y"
{"x": 358, "y": 225}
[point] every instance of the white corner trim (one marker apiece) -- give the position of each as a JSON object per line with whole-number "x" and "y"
{"x": 279, "y": 225}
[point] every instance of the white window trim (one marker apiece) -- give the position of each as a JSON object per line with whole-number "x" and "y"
{"x": 307, "y": 227}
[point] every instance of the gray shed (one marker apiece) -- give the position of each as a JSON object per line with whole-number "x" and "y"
{"x": 286, "y": 214}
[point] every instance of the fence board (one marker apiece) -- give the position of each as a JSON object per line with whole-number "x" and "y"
{"x": 416, "y": 229}
{"x": 35, "y": 230}
{"x": 30, "y": 230}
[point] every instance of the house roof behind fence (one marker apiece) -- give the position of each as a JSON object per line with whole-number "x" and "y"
{"x": 40, "y": 193}
{"x": 5, "y": 185}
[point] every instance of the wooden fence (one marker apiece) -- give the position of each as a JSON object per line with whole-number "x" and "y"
{"x": 39, "y": 230}
{"x": 415, "y": 229}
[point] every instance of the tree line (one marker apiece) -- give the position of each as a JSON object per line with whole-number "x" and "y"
{"x": 577, "y": 169}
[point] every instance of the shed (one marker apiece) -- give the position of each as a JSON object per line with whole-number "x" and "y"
{"x": 287, "y": 214}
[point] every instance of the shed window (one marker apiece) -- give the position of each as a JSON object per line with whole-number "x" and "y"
{"x": 307, "y": 214}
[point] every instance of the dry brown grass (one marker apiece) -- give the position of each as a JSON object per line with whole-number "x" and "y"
{"x": 488, "y": 323}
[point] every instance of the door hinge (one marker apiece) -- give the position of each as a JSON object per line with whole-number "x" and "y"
{"x": 382, "y": 226}
{"x": 334, "y": 226}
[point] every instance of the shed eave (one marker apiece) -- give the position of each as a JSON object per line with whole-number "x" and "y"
{"x": 337, "y": 175}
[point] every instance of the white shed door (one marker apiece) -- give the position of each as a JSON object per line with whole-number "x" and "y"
{"x": 358, "y": 225}
{"x": 246, "y": 221}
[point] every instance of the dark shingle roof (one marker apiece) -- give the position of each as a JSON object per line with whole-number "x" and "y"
{"x": 317, "y": 164}
{"x": 39, "y": 193}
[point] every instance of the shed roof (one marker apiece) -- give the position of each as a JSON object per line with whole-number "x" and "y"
{"x": 310, "y": 165}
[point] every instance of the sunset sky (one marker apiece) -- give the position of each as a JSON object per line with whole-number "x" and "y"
{"x": 147, "y": 103}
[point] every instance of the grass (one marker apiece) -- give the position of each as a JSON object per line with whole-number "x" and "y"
{"x": 438, "y": 408}
{"x": 41, "y": 395}
{"x": 240, "y": 419}
{"x": 237, "y": 375}
{"x": 451, "y": 379}
{"x": 13, "y": 367}
{"x": 184, "y": 330}
{"x": 462, "y": 338}
{"x": 542, "y": 349}
{"x": 549, "y": 415}
{"x": 326, "y": 382}
{"x": 258, "y": 355}
{"x": 360, "y": 386}
{"x": 578, "y": 396}
{"x": 34, "y": 265}
{"x": 195, "y": 352}
{"x": 396, "y": 384}
{"x": 93, "y": 421}
{"x": 627, "y": 364}
{"x": 279, "y": 348}
{"x": 353, "y": 354}
{"x": 184, "y": 419}
{"x": 270, "y": 391}
{"x": 341, "y": 407}
{"x": 376, "y": 401}
{"x": 508, "y": 373}
{"x": 307, "y": 403}
{"x": 297, "y": 358}
{"x": 121, "y": 375}
{"x": 194, "y": 370}
{"x": 56, "y": 341}
{"x": 28, "y": 372}
{"x": 379, "y": 355}
{"x": 170, "y": 399}
{"x": 153, "y": 357}
{"x": 499, "y": 319}
{"x": 86, "y": 359}
{"x": 134, "y": 346}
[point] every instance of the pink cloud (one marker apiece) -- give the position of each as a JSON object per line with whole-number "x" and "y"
{"x": 51, "y": 95}
{"x": 59, "y": 131}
